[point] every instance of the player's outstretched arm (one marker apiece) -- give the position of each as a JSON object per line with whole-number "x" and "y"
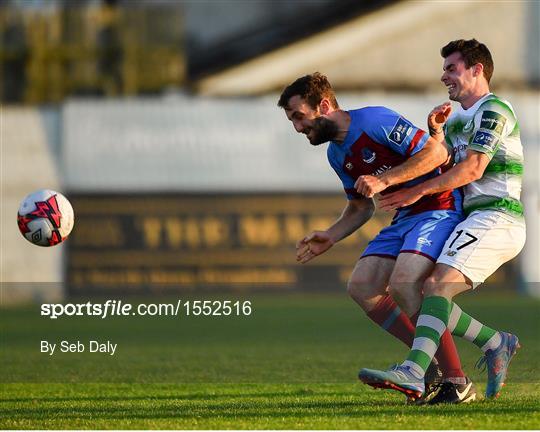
{"x": 355, "y": 214}
{"x": 470, "y": 169}
{"x": 433, "y": 155}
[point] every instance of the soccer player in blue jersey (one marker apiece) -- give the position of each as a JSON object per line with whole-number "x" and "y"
{"x": 376, "y": 150}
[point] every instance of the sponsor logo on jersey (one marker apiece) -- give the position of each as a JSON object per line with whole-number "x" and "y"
{"x": 485, "y": 140}
{"x": 380, "y": 170}
{"x": 423, "y": 241}
{"x": 401, "y": 130}
{"x": 459, "y": 148}
{"x": 368, "y": 155}
{"x": 492, "y": 120}
{"x": 460, "y": 152}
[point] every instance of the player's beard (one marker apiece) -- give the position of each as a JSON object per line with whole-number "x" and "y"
{"x": 323, "y": 130}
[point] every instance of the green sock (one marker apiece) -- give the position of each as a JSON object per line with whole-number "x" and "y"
{"x": 463, "y": 325}
{"x": 430, "y": 326}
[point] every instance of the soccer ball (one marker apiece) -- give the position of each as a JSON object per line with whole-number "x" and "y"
{"x": 45, "y": 217}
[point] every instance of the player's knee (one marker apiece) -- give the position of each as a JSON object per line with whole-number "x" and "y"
{"x": 403, "y": 279}
{"x": 405, "y": 283}
{"x": 355, "y": 288}
{"x": 435, "y": 286}
{"x": 407, "y": 296}
{"x": 396, "y": 290}
{"x": 361, "y": 290}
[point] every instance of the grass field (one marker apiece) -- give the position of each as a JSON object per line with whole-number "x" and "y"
{"x": 291, "y": 364}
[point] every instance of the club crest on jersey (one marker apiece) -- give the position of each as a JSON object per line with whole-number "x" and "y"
{"x": 349, "y": 166}
{"x": 451, "y": 253}
{"x": 468, "y": 126}
{"x": 401, "y": 130}
{"x": 368, "y": 155}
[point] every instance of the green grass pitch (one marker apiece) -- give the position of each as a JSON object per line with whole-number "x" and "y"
{"x": 292, "y": 364}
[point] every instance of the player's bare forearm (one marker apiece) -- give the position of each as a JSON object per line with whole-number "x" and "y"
{"x": 436, "y": 134}
{"x": 465, "y": 172}
{"x": 430, "y": 157}
{"x": 355, "y": 214}
{"x": 459, "y": 175}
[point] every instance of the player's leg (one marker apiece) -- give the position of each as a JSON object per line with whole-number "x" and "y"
{"x": 367, "y": 286}
{"x": 368, "y": 282}
{"x": 498, "y": 347}
{"x": 411, "y": 271}
{"x": 485, "y": 241}
{"x": 423, "y": 243}
{"x": 408, "y": 378}
{"x": 406, "y": 282}
{"x": 465, "y": 326}
{"x": 408, "y": 276}
{"x": 439, "y": 289}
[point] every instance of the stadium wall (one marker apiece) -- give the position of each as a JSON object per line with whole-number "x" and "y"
{"x": 29, "y": 153}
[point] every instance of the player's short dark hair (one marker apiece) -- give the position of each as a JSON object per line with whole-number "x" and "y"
{"x": 473, "y": 52}
{"x": 313, "y": 88}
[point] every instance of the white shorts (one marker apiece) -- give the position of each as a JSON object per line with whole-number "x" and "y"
{"x": 482, "y": 243}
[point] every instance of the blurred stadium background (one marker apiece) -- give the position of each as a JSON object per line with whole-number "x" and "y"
{"x": 158, "y": 120}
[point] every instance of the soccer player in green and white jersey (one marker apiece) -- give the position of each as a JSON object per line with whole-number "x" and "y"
{"x": 483, "y": 136}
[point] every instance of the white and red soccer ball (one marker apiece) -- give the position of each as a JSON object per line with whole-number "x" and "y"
{"x": 45, "y": 217}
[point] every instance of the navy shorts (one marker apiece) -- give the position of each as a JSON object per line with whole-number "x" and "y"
{"x": 423, "y": 234}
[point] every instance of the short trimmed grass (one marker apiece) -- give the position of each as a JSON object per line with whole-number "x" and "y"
{"x": 292, "y": 364}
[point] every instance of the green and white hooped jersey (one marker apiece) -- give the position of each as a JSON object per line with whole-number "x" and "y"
{"x": 490, "y": 127}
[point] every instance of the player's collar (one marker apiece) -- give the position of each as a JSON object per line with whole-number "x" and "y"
{"x": 349, "y": 135}
{"x": 477, "y": 103}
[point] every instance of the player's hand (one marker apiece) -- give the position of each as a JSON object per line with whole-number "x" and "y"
{"x": 439, "y": 115}
{"x": 313, "y": 245}
{"x": 369, "y": 185}
{"x": 401, "y": 198}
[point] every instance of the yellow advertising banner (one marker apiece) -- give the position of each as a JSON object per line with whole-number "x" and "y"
{"x": 213, "y": 241}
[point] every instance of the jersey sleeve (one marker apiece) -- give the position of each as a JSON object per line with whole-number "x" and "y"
{"x": 493, "y": 122}
{"x": 346, "y": 179}
{"x": 393, "y": 130}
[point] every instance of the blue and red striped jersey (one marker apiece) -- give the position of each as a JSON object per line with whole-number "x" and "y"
{"x": 377, "y": 140}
